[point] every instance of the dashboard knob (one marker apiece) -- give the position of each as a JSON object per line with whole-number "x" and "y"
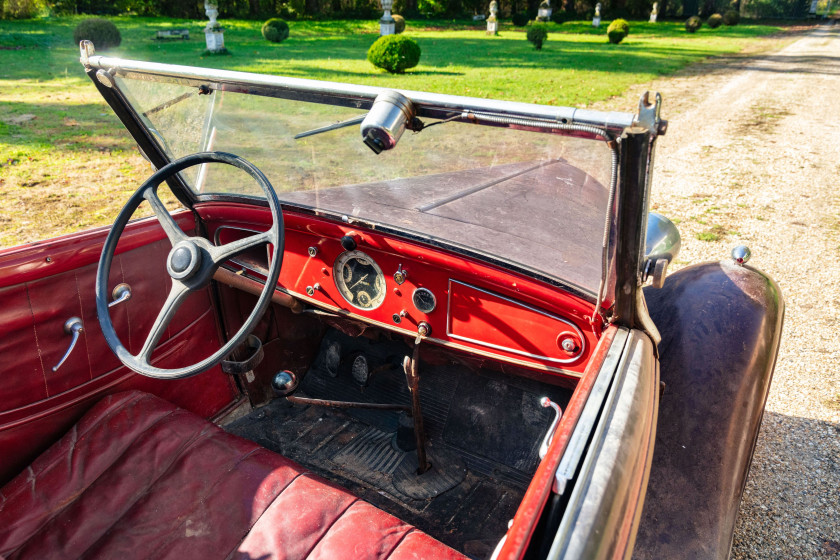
{"x": 350, "y": 242}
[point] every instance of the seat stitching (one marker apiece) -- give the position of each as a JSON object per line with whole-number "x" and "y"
{"x": 92, "y": 482}
{"x": 203, "y": 434}
{"x": 93, "y": 426}
{"x": 257, "y": 520}
{"x": 331, "y": 525}
{"x": 399, "y": 542}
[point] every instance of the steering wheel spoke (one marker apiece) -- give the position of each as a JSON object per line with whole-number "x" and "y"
{"x": 177, "y": 295}
{"x": 229, "y": 250}
{"x": 167, "y": 222}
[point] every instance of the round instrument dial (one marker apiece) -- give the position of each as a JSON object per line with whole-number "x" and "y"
{"x": 424, "y": 300}
{"x": 359, "y": 280}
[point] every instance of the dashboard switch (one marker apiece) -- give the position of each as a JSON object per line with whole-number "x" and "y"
{"x": 310, "y": 290}
{"x": 350, "y": 241}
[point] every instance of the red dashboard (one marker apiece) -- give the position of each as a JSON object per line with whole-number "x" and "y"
{"x": 452, "y": 300}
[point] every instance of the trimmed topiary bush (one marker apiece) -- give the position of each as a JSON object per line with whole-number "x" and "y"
{"x": 520, "y": 19}
{"x": 394, "y": 53}
{"x": 618, "y": 30}
{"x": 537, "y": 34}
{"x": 275, "y": 30}
{"x": 101, "y": 32}
{"x": 714, "y": 21}
{"x": 399, "y": 23}
{"x": 693, "y": 23}
{"x": 731, "y": 17}
{"x": 561, "y": 16}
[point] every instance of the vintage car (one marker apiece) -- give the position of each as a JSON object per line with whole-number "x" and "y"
{"x": 382, "y": 324}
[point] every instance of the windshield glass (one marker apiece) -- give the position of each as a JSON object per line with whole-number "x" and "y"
{"x": 533, "y": 199}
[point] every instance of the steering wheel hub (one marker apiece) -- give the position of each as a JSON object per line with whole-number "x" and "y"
{"x": 184, "y": 260}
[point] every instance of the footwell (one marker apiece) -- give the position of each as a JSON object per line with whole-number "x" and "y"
{"x": 483, "y": 430}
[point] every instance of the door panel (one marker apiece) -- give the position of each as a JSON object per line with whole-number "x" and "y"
{"x": 44, "y": 284}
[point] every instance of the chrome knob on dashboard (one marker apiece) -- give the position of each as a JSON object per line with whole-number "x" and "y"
{"x": 424, "y": 329}
{"x": 310, "y": 290}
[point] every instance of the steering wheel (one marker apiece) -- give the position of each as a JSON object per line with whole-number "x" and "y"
{"x": 191, "y": 264}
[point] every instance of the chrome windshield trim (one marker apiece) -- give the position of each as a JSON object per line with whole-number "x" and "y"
{"x": 432, "y": 105}
{"x": 591, "y": 411}
{"x": 617, "y": 463}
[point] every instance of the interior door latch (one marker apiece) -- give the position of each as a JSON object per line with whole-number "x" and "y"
{"x": 72, "y": 326}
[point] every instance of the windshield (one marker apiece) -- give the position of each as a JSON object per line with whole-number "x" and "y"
{"x": 533, "y": 199}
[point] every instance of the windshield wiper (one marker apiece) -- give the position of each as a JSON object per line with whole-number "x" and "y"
{"x": 336, "y": 126}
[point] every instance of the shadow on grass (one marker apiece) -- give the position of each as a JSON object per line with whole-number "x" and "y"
{"x": 69, "y": 127}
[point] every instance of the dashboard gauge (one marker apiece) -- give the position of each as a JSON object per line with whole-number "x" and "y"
{"x": 359, "y": 280}
{"x": 424, "y": 300}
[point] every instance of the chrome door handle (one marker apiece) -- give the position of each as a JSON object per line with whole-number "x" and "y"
{"x": 73, "y": 326}
{"x": 121, "y": 293}
{"x": 546, "y": 402}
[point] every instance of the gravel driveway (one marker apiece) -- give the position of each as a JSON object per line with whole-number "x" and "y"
{"x": 752, "y": 156}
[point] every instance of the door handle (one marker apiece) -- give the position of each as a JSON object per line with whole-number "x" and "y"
{"x": 121, "y": 293}
{"x": 546, "y": 402}
{"x": 72, "y": 326}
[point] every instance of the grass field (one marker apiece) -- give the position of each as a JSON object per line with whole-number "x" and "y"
{"x": 66, "y": 163}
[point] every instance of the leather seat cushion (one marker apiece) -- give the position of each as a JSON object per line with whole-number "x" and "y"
{"x": 138, "y": 477}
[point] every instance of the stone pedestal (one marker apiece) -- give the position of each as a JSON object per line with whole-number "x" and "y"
{"x": 492, "y": 21}
{"x": 387, "y": 27}
{"x": 215, "y": 40}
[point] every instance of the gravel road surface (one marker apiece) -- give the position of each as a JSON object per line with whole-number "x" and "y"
{"x": 752, "y": 156}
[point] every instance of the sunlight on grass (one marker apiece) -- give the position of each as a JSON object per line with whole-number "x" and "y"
{"x": 74, "y": 144}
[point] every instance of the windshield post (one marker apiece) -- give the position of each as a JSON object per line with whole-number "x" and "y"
{"x": 635, "y": 160}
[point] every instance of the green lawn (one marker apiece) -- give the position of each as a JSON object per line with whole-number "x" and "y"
{"x": 59, "y": 143}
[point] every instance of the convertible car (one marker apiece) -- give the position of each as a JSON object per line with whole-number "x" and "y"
{"x": 350, "y": 322}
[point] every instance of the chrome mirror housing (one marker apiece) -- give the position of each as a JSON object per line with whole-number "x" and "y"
{"x": 662, "y": 245}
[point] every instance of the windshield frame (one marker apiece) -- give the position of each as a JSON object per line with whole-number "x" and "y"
{"x": 603, "y": 126}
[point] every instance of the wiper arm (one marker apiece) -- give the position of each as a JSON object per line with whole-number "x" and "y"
{"x": 336, "y": 126}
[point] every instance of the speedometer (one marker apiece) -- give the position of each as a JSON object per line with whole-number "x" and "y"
{"x": 359, "y": 280}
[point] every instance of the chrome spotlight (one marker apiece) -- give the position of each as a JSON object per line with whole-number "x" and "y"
{"x": 662, "y": 245}
{"x": 387, "y": 120}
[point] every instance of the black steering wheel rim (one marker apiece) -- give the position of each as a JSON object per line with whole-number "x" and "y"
{"x": 202, "y": 259}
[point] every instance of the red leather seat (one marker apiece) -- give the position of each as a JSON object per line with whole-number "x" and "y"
{"x": 139, "y": 478}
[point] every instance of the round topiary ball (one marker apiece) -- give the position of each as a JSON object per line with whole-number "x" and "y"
{"x": 693, "y": 23}
{"x": 618, "y": 30}
{"x": 731, "y": 17}
{"x": 537, "y": 34}
{"x": 714, "y": 21}
{"x": 101, "y": 32}
{"x": 520, "y": 19}
{"x": 394, "y": 53}
{"x": 399, "y": 23}
{"x": 275, "y": 30}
